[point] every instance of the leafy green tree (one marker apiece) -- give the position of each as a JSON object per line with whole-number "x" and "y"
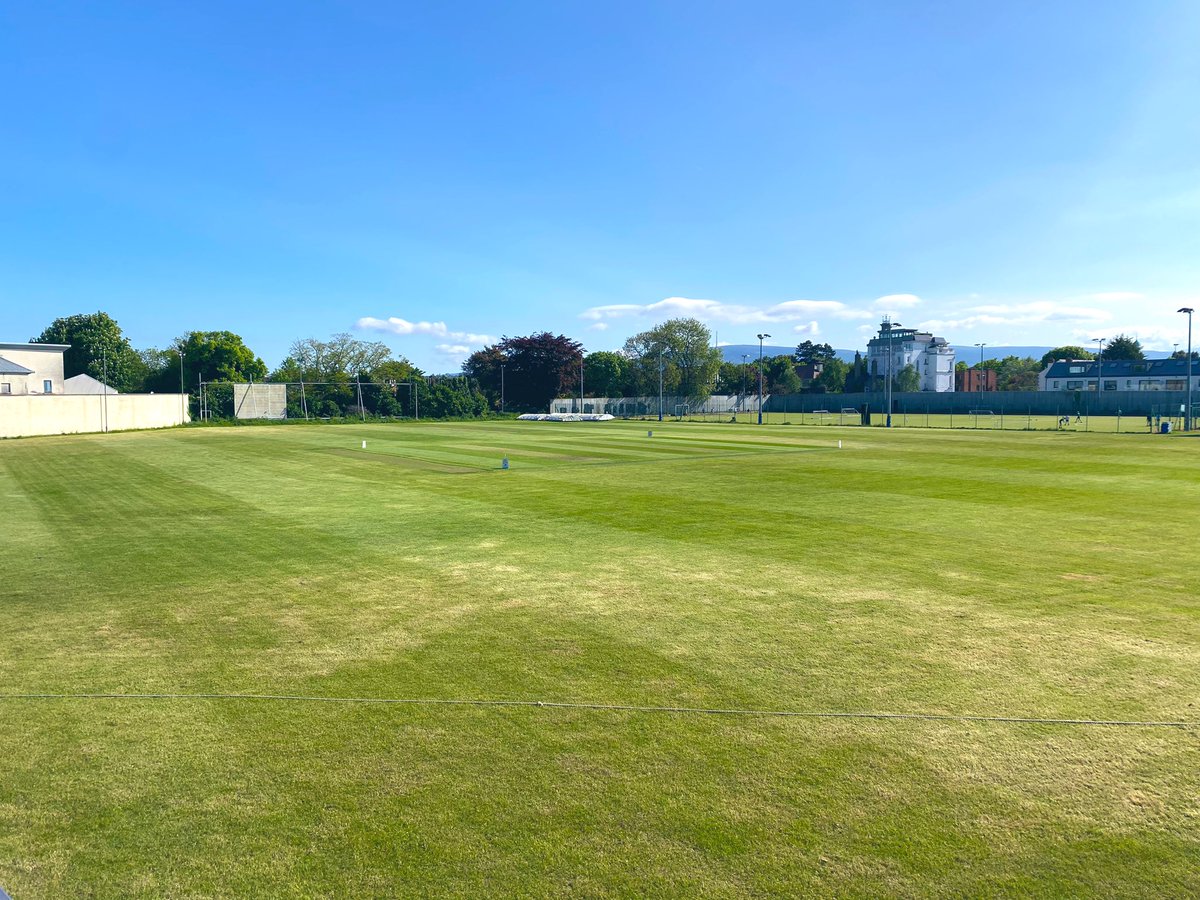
{"x": 342, "y": 354}
{"x": 605, "y": 373}
{"x": 1070, "y": 351}
{"x": 1124, "y": 347}
{"x": 684, "y": 348}
{"x": 1014, "y": 373}
{"x": 832, "y": 379}
{"x": 907, "y": 380}
{"x": 780, "y": 375}
{"x": 857, "y": 377}
{"x": 732, "y": 378}
{"x": 96, "y": 342}
{"x": 207, "y": 355}
{"x": 808, "y": 353}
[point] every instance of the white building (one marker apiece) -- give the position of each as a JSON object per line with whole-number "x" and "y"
{"x": 31, "y": 368}
{"x": 931, "y": 357}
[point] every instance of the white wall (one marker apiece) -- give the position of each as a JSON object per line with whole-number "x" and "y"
{"x": 21, "y": 416}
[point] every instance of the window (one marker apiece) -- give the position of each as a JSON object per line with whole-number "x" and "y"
{"x": 1110, "y": 385}
{"x": 1074, "y": 385}
{"x": 5, "y": 387}
{"x": 47, "y": 386}
{"x": 1176, "y": 384}
{"x": 1056, "y": 385}
{"x": 1077, "y": 370}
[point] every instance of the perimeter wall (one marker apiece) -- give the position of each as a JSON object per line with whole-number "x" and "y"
{"x": 22, "y": 415}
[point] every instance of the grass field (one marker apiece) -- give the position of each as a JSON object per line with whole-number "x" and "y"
{"x": 970, "y": 573}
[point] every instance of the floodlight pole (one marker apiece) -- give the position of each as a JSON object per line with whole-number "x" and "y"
{"x": 182, "y": 395}
{"x": 660, "y": 385}
{"x": 981, "y": 346}
{"x": 502, "y": 390}
{"x": 104, "y": 402}
{"x": 1100, "y": 342}
{"x": 1187, "y": 419}
{"x": 760, "y": 376}
{"x": 581, "y": 383}
{"x": 745, "y": 369}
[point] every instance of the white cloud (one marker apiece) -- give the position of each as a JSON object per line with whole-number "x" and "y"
{"x": 812, "y": 329}
{"x": 598, "y": 326}
{"x": 1116, "y": 296}
{"x": 458, "y": 351}
{"x": 396, "y": 325}
{"x": 896, "y": 301}
{"x": 735, "y": 313}
{"x": 1034, "y": 313}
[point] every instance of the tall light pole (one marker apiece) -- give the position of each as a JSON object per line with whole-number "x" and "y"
{"x": 1187, "y": 418}
{"x": 761, "y": 337}
{"x": 745, "y": 370}
{"x": 660, "y": 383}
{"x": 182, "y": 395}
{"x": 1100, "y": 342}
{"x": 502, "y": 390}
{"x": 581, "y": 382}
{"x": 981, "y": 346}
{"x": 887, "y": 327}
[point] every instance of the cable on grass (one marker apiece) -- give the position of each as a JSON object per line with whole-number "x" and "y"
{"x": 620, "y": 707}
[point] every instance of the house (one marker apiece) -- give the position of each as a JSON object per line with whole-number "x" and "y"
{"x": 86, "y": 384}
{"x": 974, "y": 380}
{"x": 931, "y": 357}
{"x": 1119, "y": 375}
{"x": 31, "y": 368}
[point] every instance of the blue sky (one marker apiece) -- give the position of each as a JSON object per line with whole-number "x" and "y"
{"x": 438, "y": 175}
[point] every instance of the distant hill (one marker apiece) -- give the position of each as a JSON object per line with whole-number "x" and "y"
{"x": 962, "y": 352}
{"x": 733, "y": 352}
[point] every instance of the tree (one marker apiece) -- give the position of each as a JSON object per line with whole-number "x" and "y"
{"x": 207, "y": 355}
{"x": 907, "y": 380}
{"x": 858, "y": 379}
{"x": 1015, "y": 374}
{"x": 731, "y": 378}
{"x": 537, "y": 368}
{"x": 96, "y": 343}
{"x": 604, "y": 374}
{"x": 342, "y": 354}
{"x": 808, "y": 353}
{"x": 684, "y": 349}
{"x": 832, "y": 379}
{"x": 780, "y": 375}
{"x": 1068, "y": 352}
{"x": 484, "y": 367}
{"x": 1124, "y": 347}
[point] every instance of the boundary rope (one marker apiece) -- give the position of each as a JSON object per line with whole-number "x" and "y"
{"x": 618, "y": 707}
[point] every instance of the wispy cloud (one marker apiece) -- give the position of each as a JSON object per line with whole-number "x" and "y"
{"x": 812, "y": 329}
{"x": 396, "y": 325}
{"x": 1034, "y": 313}
{"x": 598, "y": 326}
{"x": 456, "y": 351}
{"x": 896, "y": 301}
{"x": 734, "y": 313}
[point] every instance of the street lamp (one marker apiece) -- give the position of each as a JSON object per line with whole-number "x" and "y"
{"x": 760, "y": 375}
{"x": 581, "y": 382}
{"x": 981, "y": 346}
{"x": 887, "y": 327}
{"x": 1187, "y": 418}
{"x": 1100, "y": 342}
{"x": 182, "y": 397}
{"x": 502, "y": 390}
{"x": 745, "y": 369}
{"x": 660, "y": 383}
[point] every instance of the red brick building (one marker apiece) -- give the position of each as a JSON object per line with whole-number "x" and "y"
{"x": 974, "y": 380}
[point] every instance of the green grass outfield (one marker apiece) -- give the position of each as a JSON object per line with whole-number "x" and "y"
{"x": 977, "y": 573}
{"x": 996, "y": 422}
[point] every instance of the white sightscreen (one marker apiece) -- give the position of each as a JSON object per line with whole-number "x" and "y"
{"x": 260, "y": 401}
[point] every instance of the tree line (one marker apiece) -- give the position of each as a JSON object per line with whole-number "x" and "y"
{"x": 346, "y": 376}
